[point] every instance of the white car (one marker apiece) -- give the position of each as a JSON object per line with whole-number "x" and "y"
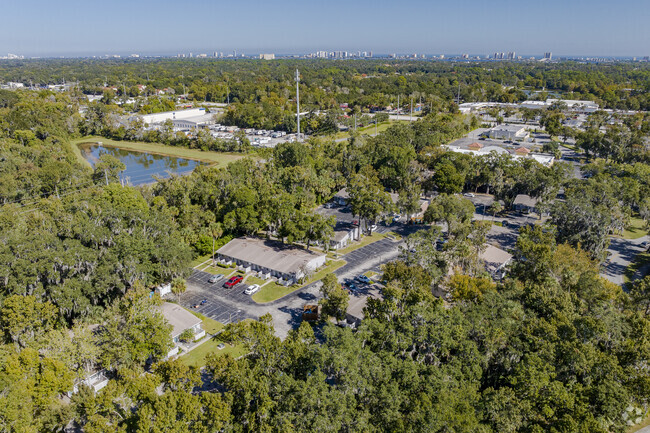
{"x": 252, "y": 289}
{"x": 373, "y": 227}
{"x": 469, "y": 194}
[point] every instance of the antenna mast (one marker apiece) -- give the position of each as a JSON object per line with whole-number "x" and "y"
{"x": 298, "y": 103}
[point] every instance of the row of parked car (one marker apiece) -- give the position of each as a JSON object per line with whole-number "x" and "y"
{"x": 362, "y": 279}
{"x": 233, "y": 281}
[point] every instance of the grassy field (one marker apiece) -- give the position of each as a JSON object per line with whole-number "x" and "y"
{"x": 635, "y": 230}
{"x": 273, "y": 291}
{"x": 217, "y": 158}
{"x": 366, "y": 240}
{"x": 197, "y": 356}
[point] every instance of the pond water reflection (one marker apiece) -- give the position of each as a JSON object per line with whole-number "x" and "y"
{"x": 141, "y": 167}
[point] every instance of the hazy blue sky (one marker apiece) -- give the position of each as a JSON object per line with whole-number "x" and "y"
{"x": 68, "y": 27}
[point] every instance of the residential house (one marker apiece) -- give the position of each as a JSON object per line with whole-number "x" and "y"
{"x": 181, "y": 320}
{"x": 496, "y": 260}
{"x": 524, "y": 203}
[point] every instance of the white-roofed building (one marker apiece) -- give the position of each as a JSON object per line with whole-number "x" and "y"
{"x": 495, "y": 260}
{"x": 181, "y": 320}
{"x": 181, "y": 119}
{"x": 508, "y": 132}
{"x": 271, "y": 258}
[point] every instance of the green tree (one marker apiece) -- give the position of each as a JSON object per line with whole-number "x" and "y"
{"x": 448, "y": 179}
{"x": 108, "y": 169}
{"x": 24, "y": 319}
{"x": 335, "y": 299}
{"x": 453, "y": 210}
{"x": 179, "y": 286}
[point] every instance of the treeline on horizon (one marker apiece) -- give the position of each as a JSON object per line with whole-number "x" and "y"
{"x": 553, "y": 347}
{"x": 327, "y": 83}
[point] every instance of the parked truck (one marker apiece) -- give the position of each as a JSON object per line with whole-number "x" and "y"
{"x": 310, "y": 312}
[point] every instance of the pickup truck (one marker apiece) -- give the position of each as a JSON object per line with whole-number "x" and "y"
{"x": 233, "y": 281}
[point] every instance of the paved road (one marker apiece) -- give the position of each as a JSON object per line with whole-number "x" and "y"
{"x": 231, "y": 305}
{"x": 622, "y": 253}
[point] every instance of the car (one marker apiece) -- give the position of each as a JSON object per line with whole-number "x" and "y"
{"x": 203, "y": 302}
{"x": 469, "y": 194}
{"x": 373, "y": 227}
{"x": 352, "y": 286}
{"x": 363, "y": 279}
{"x": 505, "y": 223}
{"x": 221, "y": 346}
{"x": 213, "y": 279}
{"x": 252, "y": 289}
{"x": 233, "y": 281}
{"x": 196, "y": 305}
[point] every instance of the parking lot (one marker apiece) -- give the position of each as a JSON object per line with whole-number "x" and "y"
{"x": 232, "y": 305}
{"x": 223, "y": 304}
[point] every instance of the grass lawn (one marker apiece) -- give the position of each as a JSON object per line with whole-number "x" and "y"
{"x": 214, "y": 270}
{"x": 394, "y": 236}
{"x": 197, "y": 356}
{"x": 200, "y": 260}
{"x": 210, "y": 326}
{"x": 641, "y": 259}
{"x": 220, "y": 158}
{"x": 366, "y": 240}
{"x": 635, "y": 230}
{"x": 254, "y": 280}
{"x": 371, "y": 274}
{"x": 273, "y": 290}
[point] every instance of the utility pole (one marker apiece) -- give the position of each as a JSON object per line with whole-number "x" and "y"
{"x": 355, "y": 121}
{"x": 106, "y": 177}
{"x": 411, "y": 116}
{"x": 298, "y": 104}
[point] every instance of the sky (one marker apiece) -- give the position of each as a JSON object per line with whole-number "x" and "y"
{"x": 165, "y": 27}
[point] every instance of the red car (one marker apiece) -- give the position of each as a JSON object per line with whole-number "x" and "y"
{"x": 233, "y": 281}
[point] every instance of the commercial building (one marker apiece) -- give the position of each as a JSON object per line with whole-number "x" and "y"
{"x": 508, "y": 132}
{"x": 542, "y": 158}
{"x": 271, "y": 258}
{"x": 190, "y": 118}
{"x": 267, "y": 56}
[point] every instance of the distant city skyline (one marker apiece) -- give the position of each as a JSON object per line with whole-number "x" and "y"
{"x": 477, "y": 27}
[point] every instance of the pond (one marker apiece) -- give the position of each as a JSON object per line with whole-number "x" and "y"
{"x": 141, "y": 167}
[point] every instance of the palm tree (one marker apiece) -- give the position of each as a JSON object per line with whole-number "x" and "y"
{"x": 179, "y": 286}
